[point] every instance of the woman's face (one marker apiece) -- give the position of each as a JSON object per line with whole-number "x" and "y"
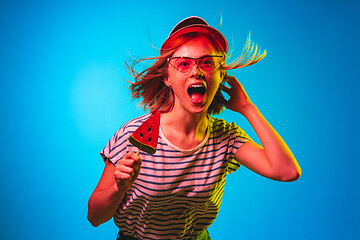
{"x": 194, "y": 90}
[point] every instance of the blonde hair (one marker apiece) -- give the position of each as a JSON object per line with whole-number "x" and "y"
{"x": 250, "y": 55}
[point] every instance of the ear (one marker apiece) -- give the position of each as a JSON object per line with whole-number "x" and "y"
{"x": 166, "y": 82}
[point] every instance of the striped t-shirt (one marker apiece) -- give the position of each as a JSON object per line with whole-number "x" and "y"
{"x": 178, "y": 192}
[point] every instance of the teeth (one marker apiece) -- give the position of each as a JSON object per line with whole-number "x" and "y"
{"x": 196, "y": 90}
{"x": 197, "y": 85}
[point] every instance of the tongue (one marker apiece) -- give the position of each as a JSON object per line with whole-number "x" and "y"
{"x": 196, "y": 97}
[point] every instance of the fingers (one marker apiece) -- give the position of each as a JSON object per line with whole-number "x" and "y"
{"x": 235, "y": 86}
{"x": 232, "y": 81}
{"x": 225, "y": 89}
{"x": 127, "y": 168}
{"x": 237, "y": 99}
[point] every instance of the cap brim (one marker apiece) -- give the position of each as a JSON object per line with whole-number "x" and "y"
{"x": 219, "y": 38}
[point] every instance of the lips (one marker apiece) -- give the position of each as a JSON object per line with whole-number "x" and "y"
{"x": 197, "y": 92}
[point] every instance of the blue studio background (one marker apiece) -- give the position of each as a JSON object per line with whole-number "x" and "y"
{"x": 63, "y": 95}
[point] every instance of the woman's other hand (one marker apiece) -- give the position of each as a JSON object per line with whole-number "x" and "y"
{"x": 127, "y": 170}
{"x": 239, "y": 101}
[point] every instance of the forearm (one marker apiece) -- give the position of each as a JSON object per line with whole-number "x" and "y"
{"x": 278, "y": 155}
{"x": 103, "y": 204}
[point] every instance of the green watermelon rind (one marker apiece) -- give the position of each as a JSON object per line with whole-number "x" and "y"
{"x": 142, "y": 146}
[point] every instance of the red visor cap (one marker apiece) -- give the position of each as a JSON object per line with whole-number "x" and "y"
{"x": 195, "y": 24}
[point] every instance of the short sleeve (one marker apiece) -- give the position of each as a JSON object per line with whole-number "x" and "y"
{"x": 231, "y": 136}
{"x": 117, "y": 146}
{"x": 237, "y": 138}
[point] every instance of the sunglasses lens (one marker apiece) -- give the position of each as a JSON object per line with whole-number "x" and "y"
{"x": 208, "y": 63}
{"x": 184, "y": 64}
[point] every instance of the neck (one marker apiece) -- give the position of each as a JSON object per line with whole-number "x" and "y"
{"x": 186, "y": 122}
{"x": 185, "y": 130}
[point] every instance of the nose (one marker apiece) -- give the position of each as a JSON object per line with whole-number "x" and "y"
{"x": 196, "y": 71}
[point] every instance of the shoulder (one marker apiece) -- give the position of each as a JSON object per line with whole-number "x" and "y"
{"x": 220, "y": 127}
{"x": 136, "y": 121}
{"x": 119, "y": 143}
{"x": 122, "y": 134}
{"x": 132, "y": 124}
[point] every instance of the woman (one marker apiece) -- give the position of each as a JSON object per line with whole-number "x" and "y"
{"x": 176, "y": 192}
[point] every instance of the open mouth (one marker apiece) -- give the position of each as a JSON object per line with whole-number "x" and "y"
{"x": 197, "y": 92}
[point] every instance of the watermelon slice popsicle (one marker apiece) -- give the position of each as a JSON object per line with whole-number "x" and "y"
{"x": 145, "y": 138}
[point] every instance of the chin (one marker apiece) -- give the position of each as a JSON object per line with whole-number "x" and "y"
{"x": 199, "y": 109}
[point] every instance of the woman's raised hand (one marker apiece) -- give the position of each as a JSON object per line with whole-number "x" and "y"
{"x": 239, "y": 101}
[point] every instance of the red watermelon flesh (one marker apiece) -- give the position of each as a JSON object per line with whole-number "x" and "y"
{"x": 145, "y": 138}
